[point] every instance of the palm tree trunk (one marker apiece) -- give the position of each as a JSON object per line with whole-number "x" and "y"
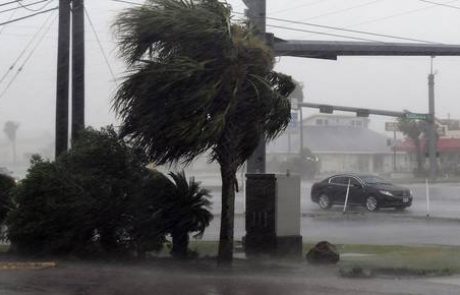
{"x": 228, "y": 174}
{"x": 180, "y": 243}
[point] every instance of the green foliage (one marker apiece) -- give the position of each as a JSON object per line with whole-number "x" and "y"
{"x": 7, "y": 183}
{"x": 306, "y": 164}
{"x": 187, "y": 212}
{"x": 84, "y": 202}
{"x": 198, "y": 81}
{"x": 414, "y": 129}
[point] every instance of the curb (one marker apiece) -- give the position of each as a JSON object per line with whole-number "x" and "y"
{"x": 26, "y": 265}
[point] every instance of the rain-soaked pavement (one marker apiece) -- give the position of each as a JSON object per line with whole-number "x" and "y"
{"x": 105, "y": 279}
{"x": 387, "y": 226}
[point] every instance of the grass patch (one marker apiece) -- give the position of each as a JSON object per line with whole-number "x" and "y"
{"x": 402, "y": 260}
{"x": 359, "y": 259}
{"x": 4, "y": 248}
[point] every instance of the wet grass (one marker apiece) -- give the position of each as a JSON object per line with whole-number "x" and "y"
{"x": 402, "y": 260}
{"x": 4, "y": 248}
{"x": 360, "y": 260}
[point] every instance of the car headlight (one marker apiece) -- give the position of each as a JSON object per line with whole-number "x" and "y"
{"x": 386, "y": 193}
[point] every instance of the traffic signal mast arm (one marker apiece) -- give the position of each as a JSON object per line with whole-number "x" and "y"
{"x": 332, "y": 49}
{"x": 362, "y": 112}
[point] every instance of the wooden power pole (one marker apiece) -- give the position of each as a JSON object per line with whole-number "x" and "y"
{"x": 62, "y": 83}
{"x": 63, "y": 74}
{"x": 78, "y": 67}
{"x": 256, "y": 15}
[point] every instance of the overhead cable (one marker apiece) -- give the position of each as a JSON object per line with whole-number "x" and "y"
{"x": 23, "y": 51}
{"x": 100, "y": 46}
{"x": 299, "y": 6}
{"x": 349, "y": 30}
{"x": 440, "y": 4}
{"x": 344, "y": 29}
{"x": 398, "y": 14}
{"x": 26, "y": 6}
{"x": 42, "y": 37}
{"x": 8, "y": 3}
{"x": 342, "y": 10}
{"x": 127, "y": 2}
{"x": 9, "y": 18}
{"x": 323, "y": 33}
{"x": 28, "y": 16}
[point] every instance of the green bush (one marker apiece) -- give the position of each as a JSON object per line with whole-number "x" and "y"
{"x": 88, "y": 202}
{"x": 7, "y": 183}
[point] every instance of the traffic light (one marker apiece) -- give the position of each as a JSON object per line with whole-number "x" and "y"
{"x": 362, "y": 113}
{"x": 326, "y": 109}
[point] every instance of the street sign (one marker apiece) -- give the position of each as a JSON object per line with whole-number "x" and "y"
{"x": 417, "y": 116}
{"x": 391, "y": 126}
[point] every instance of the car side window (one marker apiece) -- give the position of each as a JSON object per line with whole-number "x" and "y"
{"x": 354, "y": 182}
{"x": 339, "y": 180}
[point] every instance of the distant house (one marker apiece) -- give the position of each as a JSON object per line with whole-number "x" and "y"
{"x": 342, "y": 143}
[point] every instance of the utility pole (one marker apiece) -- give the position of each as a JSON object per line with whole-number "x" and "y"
{"x": 78, "y": 67}
{"x": 256, "y": 14}
{"x": 62, "y": 87}
{"x": 432, "y": 141}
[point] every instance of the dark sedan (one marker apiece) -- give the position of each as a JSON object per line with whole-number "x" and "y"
{"x": 370, "y": 191}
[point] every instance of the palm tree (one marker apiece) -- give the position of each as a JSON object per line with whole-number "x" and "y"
{"x": 413, "y": 129}
{"x": 10, "y": 128}
{"x": 196, "y": 82}
{"x": 188, "y": 212}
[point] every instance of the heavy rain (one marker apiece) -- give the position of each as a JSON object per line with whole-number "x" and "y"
{"x": 229, "y": 147}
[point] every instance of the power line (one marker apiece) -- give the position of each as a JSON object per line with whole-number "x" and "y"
{"x": 398, "y": 14}
{"x": 323, "y": 33}
{"x": 8, "y": 3}
{"x": 42, "y": 37}
{"x": 10, "y": 18}
{"x": 28, "y": 16}
{"x": 342, "y": 10}
{"x": 349, "y": 30}
{"x": 345, "y": 29}
{"x": 299, "y": 6}
{"x": 32, "y": 40}
{"x": 440, "y": 4}
{"x": 127, "y": 2}
{"x": 100, "y": 45}
{"x": 26, "y": 6}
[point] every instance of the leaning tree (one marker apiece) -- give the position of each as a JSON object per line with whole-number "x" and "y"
{"x": 198, "y": 81}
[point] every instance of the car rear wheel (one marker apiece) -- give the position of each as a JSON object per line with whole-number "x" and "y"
{"x": 372, "y": 204}
{"x": 324, "y": 201}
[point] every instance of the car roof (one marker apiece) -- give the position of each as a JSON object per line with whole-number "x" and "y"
{"x": 358, "y": 175}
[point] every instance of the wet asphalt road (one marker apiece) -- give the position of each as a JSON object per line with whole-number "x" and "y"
{"x": 302, "y": 279}
{"x": 357, "y": 226}
{"x": 387, "y": 226}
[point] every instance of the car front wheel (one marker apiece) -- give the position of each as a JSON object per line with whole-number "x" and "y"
{"x": 372, "y": 204}
{"x": 324, "y": 201}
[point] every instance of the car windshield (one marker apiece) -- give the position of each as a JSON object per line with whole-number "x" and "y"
{"x": 374, "y": 180}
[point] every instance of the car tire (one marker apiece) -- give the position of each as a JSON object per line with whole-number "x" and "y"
{"x": 324, "y": 201}
{"x": 372, "y": 204}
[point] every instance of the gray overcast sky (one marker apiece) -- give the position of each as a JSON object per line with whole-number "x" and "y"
{"x": 393, "y": 83}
